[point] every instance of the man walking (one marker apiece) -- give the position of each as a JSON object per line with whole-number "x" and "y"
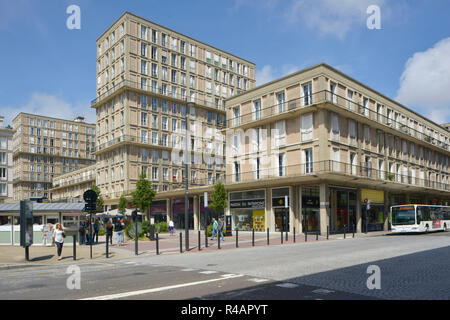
{"x": 214, "y": 231}
{"x": 82, "y": 232}
{"x": 96, "y": 229}
{"x": 220, "y": 230}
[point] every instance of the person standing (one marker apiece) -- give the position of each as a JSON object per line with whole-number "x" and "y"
{"x": 96, "y": 230}
{"x": 220, "y": 229}
{"x": 88, "y": 230}
{"x": 214, "y": 231}
{"x": 119, "y": 231}
{"x": 58, "y": 239}
{"x": 82, "y": 231}
{"x": 171, "y": 227}
{"x": 109, "y": 231}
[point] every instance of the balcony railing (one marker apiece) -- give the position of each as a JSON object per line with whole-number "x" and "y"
{"x": 329, "y": 166}
{"x": 150, "y": 89}
{"x": 338, "y": 101}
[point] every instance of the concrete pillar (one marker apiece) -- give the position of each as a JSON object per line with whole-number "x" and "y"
{"x": 270, "y": 219}
{"x": 292, "y": 202}
{"x": 196, "y": 212}
{"x": 386, "y": 210}
{"x": 324, "y": 208}
{"x": 169, "y": 210}
{"x": 358, "y": 211}
{"x": 299, "y": 215}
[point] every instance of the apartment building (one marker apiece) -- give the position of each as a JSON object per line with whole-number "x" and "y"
{"x": 6, "y": 163}
{"x": 306, "y": 150}
{"x": 446, "y": 126}
{"x": 69, "y": 187}
{"x": 44, "y": 148}
{"x": 153, "y": 85}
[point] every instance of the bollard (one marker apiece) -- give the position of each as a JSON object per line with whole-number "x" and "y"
{"x": 253, "y": 237}
{"x": 306, "y": 235}
{"x": 199, "y": 243}
{"x": 107, "y": 246}
{"x": 281, "y": 236}
{"x": 327, "y": 231}
{"x": 218, "y": 241}
{"x": 157, "y": 244}
{"x": 206, "y": 238}
{"x": 354, "y": 227}
{"x": 294, "y": 234}
{"x": 287, "y": 233}
{"x": 268, "y": 236}
{"x": 237, "y": 238}
{"x": 345, "y": 229}
{"x": 75, "y": 248}
{"x": 181, "y": 242}
{"x": 317, "y": 236}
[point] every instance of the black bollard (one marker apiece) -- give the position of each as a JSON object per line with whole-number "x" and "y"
{"x": 157, "y": 244}
{"x": 317, "y": 235}
{"x": 327, "y": 231}
{"x": 27, "y": 253}
{"x": 218, "y": 241}
{"x": 237, "y": 238}
{"x": 107, "y": 246}
{"x": 268, "y": 236}
{"x": 306, "y": 235}
{"x": 354, "y": 227}
{"x": 206, "y": 238}
{"x": 253, "y": 237}
{"x": 75, "y": 248}
{"x": 345, "y": 229}
{"x": 287, "y": 233}
{"x": 281, "y": 236}
{"x": 199, "y": 243}
{"x": 181, "y": 242}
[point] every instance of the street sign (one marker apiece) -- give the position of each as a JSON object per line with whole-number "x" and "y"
{"x": 90, "y": 196}
{"x": 206, "y": 199}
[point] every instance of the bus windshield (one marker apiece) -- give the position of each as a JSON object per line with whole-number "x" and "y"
{"x": 403, "y": 215}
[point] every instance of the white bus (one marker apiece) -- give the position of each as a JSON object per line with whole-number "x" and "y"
{"x": 419, "y": 218}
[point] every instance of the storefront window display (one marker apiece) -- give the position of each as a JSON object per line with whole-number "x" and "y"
{"x": 248, "y": 210}
{"x": 311, "y": 209}
{"x": 158, "y": 211}
{"x": 279, "y": 207}
{"x": 178, "y": 211}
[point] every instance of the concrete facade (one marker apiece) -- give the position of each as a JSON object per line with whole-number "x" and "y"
{"x": 6, "y": 163}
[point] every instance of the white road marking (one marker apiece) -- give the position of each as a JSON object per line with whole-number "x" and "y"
{"x": 287, "y": 285}
{"x": 187, "y": 270}
{"x": 208, "y": 272}
{"x": 322, "y": 291}
{"x": 258, "y": 280}
{"x": 146, "y": 291}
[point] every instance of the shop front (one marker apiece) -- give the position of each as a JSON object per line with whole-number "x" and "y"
{"x": 343, "y": 209}
{"x": 158, "y": 211}
{"x": 281, "y": 211}
{"x": 311, "y": 209}
{"x": 248, "y": 210}
{"x": 178, "y": 211}
{"x": 373, "y": 218}
{"x": 207, "y": 214}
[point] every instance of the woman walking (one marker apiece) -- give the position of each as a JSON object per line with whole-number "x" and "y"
{"x": 58, "y": 238}
{"x": 109, "y": 231}
{"x": 171, "y": 227}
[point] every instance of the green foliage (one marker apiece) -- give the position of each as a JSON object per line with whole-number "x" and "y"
{"x": 146, "y": 226}
{"x": 130, "y": 230}
{"x": 210, "y": 229}
{"x": 162, "y": 227}
{"x": 122, "y": 204}
{"x": 101, "y": 232}
{"x": 390, "y": 176}
{"x": 219, "y": 198}
{"x": 100, "y": 201}
{"x": 143, "y": 196}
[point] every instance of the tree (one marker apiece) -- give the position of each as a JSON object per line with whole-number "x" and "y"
{"x": 219, "y": 198}
{"x": 100, "y": 201}
{"x": 143, "y": 196}
{"x": 123, "y": 202}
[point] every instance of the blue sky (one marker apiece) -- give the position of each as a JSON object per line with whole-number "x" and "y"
{"x": 49, "y": 69}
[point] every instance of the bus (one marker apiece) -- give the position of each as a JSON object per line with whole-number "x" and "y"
{"x": 419, "y": 218}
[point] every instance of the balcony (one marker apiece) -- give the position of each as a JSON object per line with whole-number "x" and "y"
{"x": 325, "y": 96}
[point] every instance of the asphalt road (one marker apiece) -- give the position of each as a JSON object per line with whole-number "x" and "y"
{"x": 411, "y": 267}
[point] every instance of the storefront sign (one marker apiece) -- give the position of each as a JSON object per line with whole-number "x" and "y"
{"x": 243, "y": 204}
{"x": 280, "y": 202}
{"x": 311, "y": 202}
{"x": 376, "y": 196}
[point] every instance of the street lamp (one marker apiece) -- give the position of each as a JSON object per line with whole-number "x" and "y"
{"x": 186, "y": 198}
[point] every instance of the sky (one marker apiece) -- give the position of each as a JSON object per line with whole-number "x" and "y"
{"x": 49, "y": 69}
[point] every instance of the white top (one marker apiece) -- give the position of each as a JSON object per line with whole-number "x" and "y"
{"x": 171, "y": 223}
{"x": 58, "y": 234}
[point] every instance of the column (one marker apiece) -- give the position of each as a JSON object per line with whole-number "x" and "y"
{"x": 196, "y": 212}
{"x": 292, "y": 203}
{"x": 324, "y": 208}
{"x": 169, "y": 215}
{"x": 358, "y": 210}
{"x": 386, "y": 210}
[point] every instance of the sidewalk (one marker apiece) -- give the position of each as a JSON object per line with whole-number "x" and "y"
{"x": 14, "y": 256}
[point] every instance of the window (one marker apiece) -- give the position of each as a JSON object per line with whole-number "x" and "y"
{"x": 307, "y": 94}
{"x": 308, "y": 160}
{"x": 335, "y": 126}
{"x": 379, "y": 113}
{"x": 352, "y": 132}
{"x": 281, "y": 99}
{"x": 333, "y": 91}
{"x": 307, "y": 127}
{"x": 257, "y": 110}
{"x": 353, "y": 163}
{"x": 336, "y": 159}
{"x": 280, "y": 133}
{"x": 350, "y": 100}
{"x": 281, "y": 164}
{"x": 367, "y": 136}
{"x": 237, "y": 116}
{"x": 154, "y": 174}
{"x": 236, "y": 172}
{"x": 143, "y": 32}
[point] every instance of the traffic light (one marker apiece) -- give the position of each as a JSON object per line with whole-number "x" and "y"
{"x": 134, "y": 215}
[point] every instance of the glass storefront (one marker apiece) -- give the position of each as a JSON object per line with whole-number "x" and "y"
{"x": 206, "y": 214}
{"x": 280, "y": 211}
{"x": 5, "y": 230}
{"x": 178, "y": 211}
{"x": 248, "y": 210}
{"x": 158, "y": 211}
{"x": 343, "y": 209}
{"x": 311, "y": 209}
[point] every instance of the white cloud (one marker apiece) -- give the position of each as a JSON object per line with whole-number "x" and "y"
{"x": 51, "y": 106}
{"x": 425, "y": 82}
{"x": 269, "y": 73}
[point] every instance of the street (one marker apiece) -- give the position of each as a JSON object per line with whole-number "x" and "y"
{"x": 411, "y": 267}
